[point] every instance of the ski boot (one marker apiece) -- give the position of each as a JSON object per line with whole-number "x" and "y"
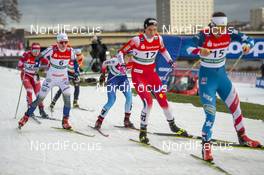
{"x": 179, "y": 131}
{"x": 246, "y": 141}
{"x": 43, "y": 114}
{"x": 23, "y": 121}
{"x": 65, "y": 123}
{"x": 99, "y": 122}
{"x": 127, "y": 122}
{"x": 143, "y": 135}
{"x": 75, "y": 104}
{"x": 206, "y": 151}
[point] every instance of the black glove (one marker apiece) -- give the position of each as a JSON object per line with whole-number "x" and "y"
{"x": 36, "y": 78}
{"x": 173, "y": 64}
{"x": 102, "y": 79}
{"x": 76, "y": 77}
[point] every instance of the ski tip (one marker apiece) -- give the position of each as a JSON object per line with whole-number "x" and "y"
{"x": 84, "y": 109}
{"x": 137, "y": 141}
{"x": 149, "y": 145}
{"x": 74, "y": 131}
{"x": 54, "y": 127}
{"x": 91, "y": 126}
{"x": 124, "y": 127}
{"x": 133, "y": 140}
{"x": 103, "y": 134}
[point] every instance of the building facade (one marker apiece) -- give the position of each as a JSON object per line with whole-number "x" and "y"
{"x": 180, "y": 14}
{"x": 257, "y": 18}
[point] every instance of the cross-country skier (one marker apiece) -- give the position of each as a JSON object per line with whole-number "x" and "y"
{"x": 116, "y": 80}
{"x": 74, "y": 79}
{"x": 29, "y": 75}
{"x": 146, "y": 81}
{"x": 211, "y": 45}
{"x": 59, "y": 55}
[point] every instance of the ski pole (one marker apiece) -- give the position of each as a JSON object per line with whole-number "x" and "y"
{"x": 51, "y": 96}
{"x": 19, "y": 97}
{"x": 237, "y": 61}
{"x": 186, "y": 73}
{"x": 171, "y": 69}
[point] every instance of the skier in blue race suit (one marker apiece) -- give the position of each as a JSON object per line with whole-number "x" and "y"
{"x": 211, "y": 45}
{"x": 117, "y": 80}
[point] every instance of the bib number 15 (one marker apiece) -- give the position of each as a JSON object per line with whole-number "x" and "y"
{"x": 218, "y": 53}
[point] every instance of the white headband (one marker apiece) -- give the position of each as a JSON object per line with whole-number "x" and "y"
{"x": 220, "y": 21}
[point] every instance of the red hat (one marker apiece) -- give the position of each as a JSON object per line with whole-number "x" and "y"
{"x": 35, "y": 46}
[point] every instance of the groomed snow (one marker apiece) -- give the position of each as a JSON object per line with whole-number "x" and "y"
{"x": 116, "y": 155}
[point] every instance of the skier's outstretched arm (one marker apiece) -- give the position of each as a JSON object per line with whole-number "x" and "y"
{"x": 110, "y": 62}
{"x": 44, "y": 57}
{"x": 164, "y": 52}
{"x": 197, "y": 44}
{"x": 128, "y": 47}
{"x": 247, "y": 42}
{"x": 21, "y": 61}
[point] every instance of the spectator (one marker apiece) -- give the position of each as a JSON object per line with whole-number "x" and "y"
{"x": 98, "y": 54}
{"x": 262, "y": 69}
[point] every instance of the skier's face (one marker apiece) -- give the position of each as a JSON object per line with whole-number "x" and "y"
{"x": 79, "y": 56}
{"x": 62, "y": 45}
{"x": 150, "y": 31}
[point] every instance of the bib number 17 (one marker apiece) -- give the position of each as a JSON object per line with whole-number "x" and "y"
{"x": 150, "y": 54}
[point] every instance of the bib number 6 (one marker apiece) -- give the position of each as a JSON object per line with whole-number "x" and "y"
{"x": 61, "y": 63}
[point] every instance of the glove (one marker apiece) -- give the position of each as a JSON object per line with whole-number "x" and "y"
{"x": 36, "y": 78}
{"x": 36, "y": 67}
{"x": 173, "y": 64}
{"x": 77, "y": 80}
{"x": 122, "y": 68}
{"x": 204, "y": 52}
{"x": 245, "y": 49}
{"x": 76, "y": 77}
{"x": 102, "y": 79}
{"x": 76, "y": 74}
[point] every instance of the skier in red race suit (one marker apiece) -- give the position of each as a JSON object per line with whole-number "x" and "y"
{"x": 29, "y": 75}
{"x": 146, "y": 81}
{"x": 59, "y": 56}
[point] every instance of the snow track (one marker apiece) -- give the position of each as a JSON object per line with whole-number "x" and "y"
{"x": 33, "y": 149}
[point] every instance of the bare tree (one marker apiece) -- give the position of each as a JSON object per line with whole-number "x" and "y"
{"x": 9, "y": 9}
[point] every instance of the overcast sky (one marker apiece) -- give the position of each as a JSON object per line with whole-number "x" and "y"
{"x": 111, "y": 13}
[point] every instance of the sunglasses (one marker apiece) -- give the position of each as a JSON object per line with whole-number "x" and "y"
{"x": 35, "y": 50}
{"x": 63, "y": 42}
